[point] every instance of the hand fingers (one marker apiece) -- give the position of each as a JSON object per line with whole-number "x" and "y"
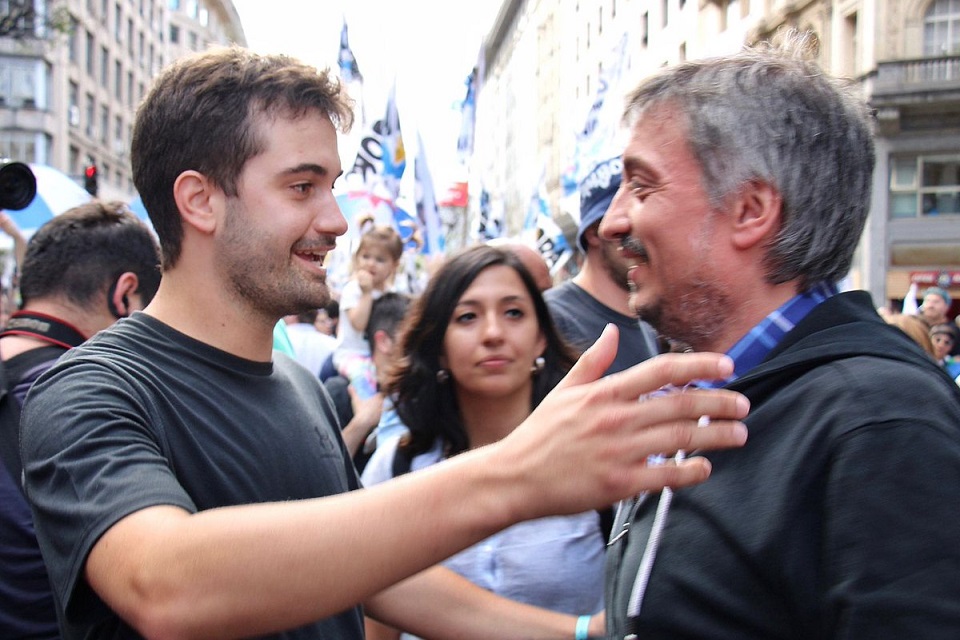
{"x": 595, "y": 360}
{"x": 671, "y": 370}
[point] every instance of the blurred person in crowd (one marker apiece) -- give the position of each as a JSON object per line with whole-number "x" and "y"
{"x": 478, "y": 354}
{"x": 913, "y": 327}
{"x": 81, "y": 271}
{"x": 186, "y": 480}
{"x": 310, "y": 347}
{"x": 944, "y": 338}
{"x": 375, "y": 264}
{"x": 367, "y": 424}
{"x": 598, "y": 294}
{"x": 935, "y": 305}
{"x": 531, "y": 258}
{"x": 746, "y": 186}
{"x": 327, "y": 318}
{"x": 9, "y": 290}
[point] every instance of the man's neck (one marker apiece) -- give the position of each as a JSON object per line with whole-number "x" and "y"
{"x": 48, "y": 322}
{"x": 205, "y": 314}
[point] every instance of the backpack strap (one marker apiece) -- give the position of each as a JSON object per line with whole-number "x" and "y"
{"x": 10, "y": 430}
{"x": 402, "y": 460}
{"x": 25, "y": 366}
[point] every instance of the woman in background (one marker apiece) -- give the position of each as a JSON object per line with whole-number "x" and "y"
{"x": 477, "y": 353}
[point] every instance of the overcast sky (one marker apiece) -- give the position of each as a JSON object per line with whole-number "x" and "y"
{"x": 429, "y": 46}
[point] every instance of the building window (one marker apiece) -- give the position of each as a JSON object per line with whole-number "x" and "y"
{"x": 19, "y": 82}
{"x": 174, "y": 34}
{"x": 665, "y": 8}
{"x": 645, "y": 29}
{"x": 924, "y": 186}
{"x": 104, "y": 124}
{"x": 941, "y": 28}
{"x": 72, "y": 40}
{"x": 118, "y": 80}
{"x": 89, "y": 115}
{"x": 104, "y": 67}
{"x": 74, "y": 167}
{"x": 91, "y": 52}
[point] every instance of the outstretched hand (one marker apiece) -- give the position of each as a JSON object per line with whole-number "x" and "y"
{"x": 587, "y": 444}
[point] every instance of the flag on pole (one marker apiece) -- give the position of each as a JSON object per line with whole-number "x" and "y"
{"x": 429, "y": 218}
{"x": 597, "y": 140}
{"x": 537, "y": 208}
{"x": 381, "y": 158}
{"x": 394, "y": 153}
{"x": 910, "y": 306}
{"x": 349, "y": 69}
{"x": 489, "y": 222}
{"x": 468, "y": 110}
{"x": 541, "y": 229}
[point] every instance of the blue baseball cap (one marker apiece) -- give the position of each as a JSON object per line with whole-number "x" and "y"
{"x": 938, "y": 291}
{"x": 596, "y": 194}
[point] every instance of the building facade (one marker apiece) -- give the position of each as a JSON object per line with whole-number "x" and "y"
{"x": 70, "y": 85}
{"x": 544, "y": 61}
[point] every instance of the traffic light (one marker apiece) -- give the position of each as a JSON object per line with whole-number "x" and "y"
{"x": 90, "y": 179}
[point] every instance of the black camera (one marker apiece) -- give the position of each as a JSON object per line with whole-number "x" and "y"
{"x": 18, "y": 185}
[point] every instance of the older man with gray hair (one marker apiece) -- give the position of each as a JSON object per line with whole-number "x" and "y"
{"x": 746, "y": 187}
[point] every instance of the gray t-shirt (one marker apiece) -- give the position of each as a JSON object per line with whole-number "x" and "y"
{"x": 581, "y": 318}
{"x": 142, "y": 415}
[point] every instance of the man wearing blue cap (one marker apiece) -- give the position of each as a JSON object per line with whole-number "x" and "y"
{"x": 598, "y": 295}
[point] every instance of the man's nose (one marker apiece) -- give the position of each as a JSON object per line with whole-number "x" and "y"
{"x": 615, "y": 222}
{"x": 330, "y": 219}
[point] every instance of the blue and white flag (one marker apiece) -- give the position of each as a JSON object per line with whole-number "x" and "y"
{"x": 381, "y": 158}
{"x": 537, "y": 208}
{"x": 490, "y": 222}
{"x": 433, "y": 241}
{"x": 541, "y": 229}
{"x": 468, "y": 111}
{"x": 349, "y": 69}
{"x": 597, "y": 140}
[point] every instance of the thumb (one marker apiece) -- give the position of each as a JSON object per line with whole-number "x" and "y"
{"x": 595, "y": 360}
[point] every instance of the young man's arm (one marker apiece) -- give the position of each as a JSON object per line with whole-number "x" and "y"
{"x": 252, "y": 570}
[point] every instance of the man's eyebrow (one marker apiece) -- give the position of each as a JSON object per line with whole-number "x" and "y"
{"x": 309, "y": 167}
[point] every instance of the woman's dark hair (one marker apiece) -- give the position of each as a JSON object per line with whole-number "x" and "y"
{"x": 428, "y": 408}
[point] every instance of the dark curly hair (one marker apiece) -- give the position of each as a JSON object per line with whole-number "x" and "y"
{"x": 429, "y": 409}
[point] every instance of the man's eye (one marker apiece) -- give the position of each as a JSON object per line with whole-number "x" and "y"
{"x": 303, "y": 187}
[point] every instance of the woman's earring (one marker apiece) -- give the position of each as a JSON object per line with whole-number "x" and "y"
{"x": 538, "y": 365}
{"x": 442, "y": 375}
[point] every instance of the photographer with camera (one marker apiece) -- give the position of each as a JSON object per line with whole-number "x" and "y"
{"x": 81, "y": 271}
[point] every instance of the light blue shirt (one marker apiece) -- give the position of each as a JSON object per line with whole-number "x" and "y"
{"x": 555, "y": 562}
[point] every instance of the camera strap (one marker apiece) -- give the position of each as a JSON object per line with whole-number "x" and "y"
{"x": 43, "y": 327}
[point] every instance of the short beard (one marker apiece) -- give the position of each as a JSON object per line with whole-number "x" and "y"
{"x": 694, "y": 313}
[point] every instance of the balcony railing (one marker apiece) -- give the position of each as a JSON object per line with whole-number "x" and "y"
{"x": 901, "y": 74}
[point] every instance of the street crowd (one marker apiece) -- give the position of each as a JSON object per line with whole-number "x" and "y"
{"x": 698, "y": 435}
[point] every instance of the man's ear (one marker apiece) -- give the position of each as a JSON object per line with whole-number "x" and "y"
{"x": 197, "y": 199}
{"x": 118, "y": 297}
{"x": 382, "y": 342}
{"x": 756, "y": 215}
{"x": 591, "y": 235}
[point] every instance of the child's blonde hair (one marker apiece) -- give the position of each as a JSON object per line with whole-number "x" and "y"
{"x": 383, "y": 236}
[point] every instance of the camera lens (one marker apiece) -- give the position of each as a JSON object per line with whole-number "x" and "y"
{"x": 18, "y": 185}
